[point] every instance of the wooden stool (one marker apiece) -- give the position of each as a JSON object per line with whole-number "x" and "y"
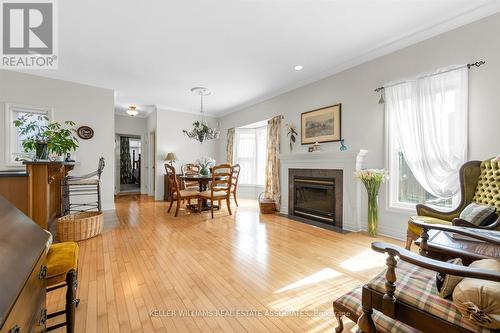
{"x": 62, "y": 271}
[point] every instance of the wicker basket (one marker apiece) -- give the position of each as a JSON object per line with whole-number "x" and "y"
{"x": 267, "y": 205}
{"x": 79, "y": 226}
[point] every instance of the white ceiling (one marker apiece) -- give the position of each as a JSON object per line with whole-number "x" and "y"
{"x": 153, "y": 52}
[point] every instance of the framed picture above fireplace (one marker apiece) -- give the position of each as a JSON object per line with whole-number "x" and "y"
{"x": 321, "y": 125}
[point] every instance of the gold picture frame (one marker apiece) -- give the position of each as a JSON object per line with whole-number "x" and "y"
{"x": 322, "y": 125}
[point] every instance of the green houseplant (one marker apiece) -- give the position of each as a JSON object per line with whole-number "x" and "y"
{"x": 44, "y": 137}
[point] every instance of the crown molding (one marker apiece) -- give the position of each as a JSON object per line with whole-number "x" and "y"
{"x": 475, "y": 12}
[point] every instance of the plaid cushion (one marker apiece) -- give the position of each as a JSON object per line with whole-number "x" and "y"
{"x": 417, "y": 286}
{"x": 384, "y": 324}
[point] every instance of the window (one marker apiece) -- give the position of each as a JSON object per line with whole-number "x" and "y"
{"x": 408, "y": 189}
{"x": 250, "y": 153}
{"x": 13, "y": 139}
{"x": 427, "y": 139}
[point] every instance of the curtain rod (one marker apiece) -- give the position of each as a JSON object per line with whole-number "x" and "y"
{"x": 474, "y": 64}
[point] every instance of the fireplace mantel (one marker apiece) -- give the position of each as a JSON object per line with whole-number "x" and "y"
{"x": 326, "y": 156}
{"x": 347, "y": 161}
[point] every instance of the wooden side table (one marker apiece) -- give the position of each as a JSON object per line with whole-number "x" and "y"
{"x": 444, "y": 245}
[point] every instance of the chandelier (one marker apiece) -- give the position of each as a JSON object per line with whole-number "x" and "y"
{"x": 131, "y": 111}
{"x": 201, "y": 131}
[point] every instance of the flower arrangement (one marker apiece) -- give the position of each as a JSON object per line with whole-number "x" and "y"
{"x": 42, "y": 136}
{"x": 205, "y": 164}
{"x": 372, "y": 179}
{"x": 292, "y": 134}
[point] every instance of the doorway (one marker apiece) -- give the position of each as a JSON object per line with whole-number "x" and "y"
{"x": 152, "y": 176}
{"x": 129, "y": 164}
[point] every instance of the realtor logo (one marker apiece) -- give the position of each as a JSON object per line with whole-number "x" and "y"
{"x": 28, "y": 34}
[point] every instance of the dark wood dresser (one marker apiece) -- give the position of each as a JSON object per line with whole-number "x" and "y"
{"x": 23, "y": 250}
{"x": 14, "y": 188}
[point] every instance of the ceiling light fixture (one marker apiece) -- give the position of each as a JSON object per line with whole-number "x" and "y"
{"x": 131, "y": 111}
{"x": 298, "y": 67}
{"x": 201, "y": 131}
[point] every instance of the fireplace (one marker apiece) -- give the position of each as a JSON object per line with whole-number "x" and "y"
{"x": 315, "y": 198}
{"x": 315, "y": 195}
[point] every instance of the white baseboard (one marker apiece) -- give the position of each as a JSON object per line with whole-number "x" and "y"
{"x": 353, "y": 227}
{"x": 250, "y": 191}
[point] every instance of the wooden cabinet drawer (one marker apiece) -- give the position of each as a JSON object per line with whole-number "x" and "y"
{"x": 28, "y": 309}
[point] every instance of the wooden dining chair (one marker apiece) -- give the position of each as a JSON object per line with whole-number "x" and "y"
{"x": 234, "y": 182}
{"x": 220, "y": 187}
{"x": 187, "y": 170}
{"x": 177, "y": 194}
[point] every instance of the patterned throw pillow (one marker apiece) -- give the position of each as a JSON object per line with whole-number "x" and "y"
{"x": 446, "y": 283}
{"x": 478, "y": 214}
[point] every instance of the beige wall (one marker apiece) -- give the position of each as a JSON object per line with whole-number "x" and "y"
{"x": 83, "y": 104}
{"x": 169, "y": 136}
{"x": 363, "y": 117}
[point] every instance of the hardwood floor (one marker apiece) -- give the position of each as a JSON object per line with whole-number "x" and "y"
{"x": 157, "y": 273}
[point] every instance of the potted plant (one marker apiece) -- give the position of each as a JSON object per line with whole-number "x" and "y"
{"x": 62, "y": 138}
{"x": 44, "y": 137}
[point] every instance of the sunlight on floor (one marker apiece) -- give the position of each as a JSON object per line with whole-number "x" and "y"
{"x": 245, "y": 261}
{"x": 251, "y": 239}
{"x": 365, "y": 260}
{"x": 322, "y": 275}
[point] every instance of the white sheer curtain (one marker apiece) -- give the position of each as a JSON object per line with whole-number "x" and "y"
{"x": 429, "y": 115}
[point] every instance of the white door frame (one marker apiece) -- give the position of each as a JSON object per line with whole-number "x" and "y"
{"x": 152, "y": 163}
{"x": 117, "y": 163}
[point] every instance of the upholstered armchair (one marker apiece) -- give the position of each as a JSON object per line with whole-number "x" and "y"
{"x": 404, "y": 298}
{"x": 479, "y": 183}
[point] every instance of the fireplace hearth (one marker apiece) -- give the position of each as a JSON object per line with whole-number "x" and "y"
{"x": 315, "y": 196}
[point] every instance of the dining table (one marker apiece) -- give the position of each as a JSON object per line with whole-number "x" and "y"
{"x": 203, "y": 181}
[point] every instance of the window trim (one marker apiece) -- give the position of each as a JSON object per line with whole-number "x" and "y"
{"x": 235, "y": 151}
{"x": 391, "y": 184}
{"x": 9, "y": 109}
